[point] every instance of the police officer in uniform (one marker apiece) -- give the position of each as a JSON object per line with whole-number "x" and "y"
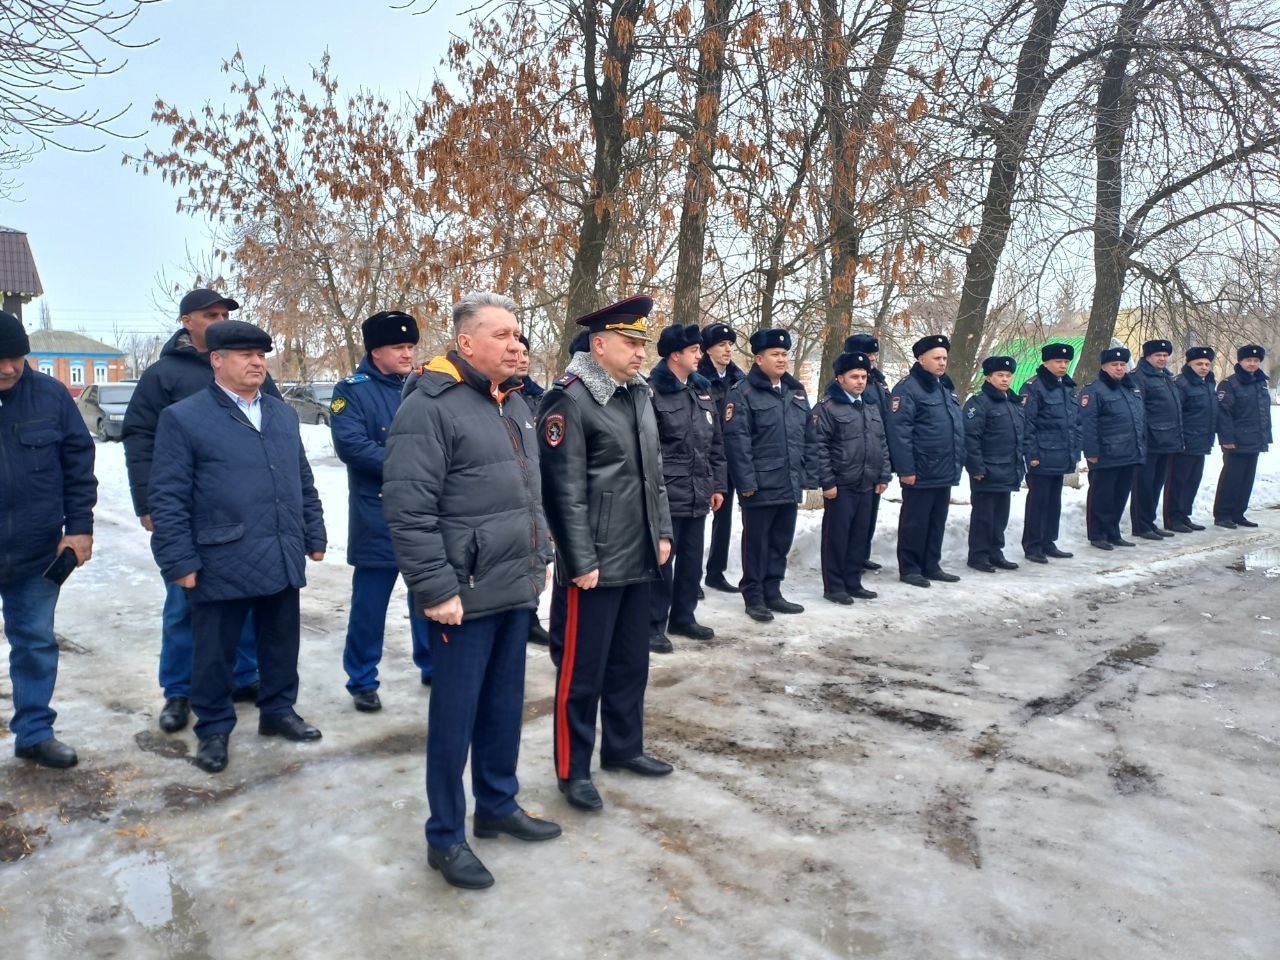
{"x": 360, "y": 414}
{"x": 993, "y": 435}
{"x": 1051, "y": 446}
{"x": 1244, "y": 430}
{"x": 773, "y": 458}
{"x": 1164, "y": 437}
{"x": 694, "y": 470}
{"x": 926, "y": 444}
{"x": 717, "y": 366}
{"x": 853, "y": 468}
{"x": 1113, "y": 433}
{"x": 606, "y": 507}
{"x": 1198, "y": 396}
{"x": 877, "y": 392}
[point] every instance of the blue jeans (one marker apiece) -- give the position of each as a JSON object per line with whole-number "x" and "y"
{"x": 370, "y": 593}
{"x": 33, "y": 656}
{"x": 176, "y": 646}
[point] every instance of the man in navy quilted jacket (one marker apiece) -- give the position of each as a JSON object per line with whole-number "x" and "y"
{"x": 236, "y": 516}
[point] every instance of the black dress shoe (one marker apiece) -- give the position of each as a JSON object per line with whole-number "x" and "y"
{"x": 1148, "y": 535}
{"x": 246, "y": 694}
{"x": 287, "y": 725}
{"x": 581, "y": 794}
{"x": 176, "y": 712}
{"x": 1056, "y": 554}
{"x": 693, "y": 630}
{"x": 716, "y": 581}
{"x": 659, "y": 643}
{"x": 366, "y": 701}
{"x": 758, "y": 613}
{"x": 426, "y": 681}
{"x": 1101, "y": 545}
{"x": 701, "y": 594}
{"x": 1224, "y": 523}
{"x": 1161, "y": 532}
{"x": 459, "y": 866}
{"x": 859, "y": 593}
{"x": 915, "y": 579}
{"x": 1178, "y": 527}
{"x": 1194, "y": 526}
{"x": 870, "y": 565}
{"x": 942, "y": 576}
{"x": 644, "y": 765}
{"x": 1036, "y": 557}
{"x": 1243, "y": 522}
{"x": 1122, "y": 542}
{"x": 780, "y": 605}
{"x": 538, "y": 633}
{"x": 211, "y": 755}
{"x": 519, "y": 825}
{"x": 1000, "y": 563}
{"x": 838, "y": 597}
{"x": 50, "y": 752}
{"x": 980, "y": 565}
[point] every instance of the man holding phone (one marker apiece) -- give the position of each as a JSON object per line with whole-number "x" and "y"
{"x": 47, "y": 495}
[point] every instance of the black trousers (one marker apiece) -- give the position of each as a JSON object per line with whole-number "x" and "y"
{"x": 600, "y": 646}
{"x": 767, "y": 533}
{"x": 1235, "y": 485}
{"x": 721, "y": 527}
{"x": 1043, "y": 513}
{"x": 921, "y": 523}
{"x": 1181, "y": 486}
{"x": 987, "y": 520}
{"x": 871, "y": 522}
{"x": 1148, "y": 481}
{"x": 1108, "y": 491}
{"x": 674, "y": 597}
{"x": 215, "y": 630}
{"x": 845, "y": 520}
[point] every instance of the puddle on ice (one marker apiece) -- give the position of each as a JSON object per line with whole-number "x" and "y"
{"x": 1267, "y": 560}
{"x": 160, "y": 904}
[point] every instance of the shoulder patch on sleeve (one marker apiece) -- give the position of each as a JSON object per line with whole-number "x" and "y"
{"x": 1084, "y": 399}
{"x": 1026, "y": 398}
{"x": 553, "y": 429}
{"x": 895, "y": 405}
{"x": 971, "y": 411}
{"x": 728, "y": 412}
{"x": 357, "y": 378}
{"x": 338, "y": 404}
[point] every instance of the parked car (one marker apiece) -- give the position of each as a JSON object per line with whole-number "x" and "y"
{"x": 102, "y": 407}
{"x": 311, "y": 400}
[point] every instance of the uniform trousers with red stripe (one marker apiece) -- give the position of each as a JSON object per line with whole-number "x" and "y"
{"x": 600, "y": 646}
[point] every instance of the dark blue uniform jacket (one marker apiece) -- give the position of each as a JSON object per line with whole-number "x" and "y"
{"x": 1199, "y": 398}
{"x": 852, "y": 449}
{"x": 1164, "y": 408}
{"x": 1244, "y": 411}
{"x": 1051, "y": 424}
{"x": 993, "y": 440}
{"x": 1113, "y": 425}
{"x": 926, "y": 429}
{"x": 769, "y": 440}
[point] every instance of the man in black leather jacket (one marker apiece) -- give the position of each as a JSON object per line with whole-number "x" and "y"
{"x": 606, "y": 506}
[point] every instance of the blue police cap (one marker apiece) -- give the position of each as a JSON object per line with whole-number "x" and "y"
{"x": 763, "y": 340}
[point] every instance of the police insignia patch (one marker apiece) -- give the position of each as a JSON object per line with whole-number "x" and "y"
{"x": 896, "y": 405}
{"x": 710, "y": 419}
{"x": 1084, "y": 399}
{"x": 553, "y": 429}
{"x": 1025, "y": 398}
{"x": 971, "y": 412}
{"x": 728, "y": 412}
{"x": 337, "y": 404}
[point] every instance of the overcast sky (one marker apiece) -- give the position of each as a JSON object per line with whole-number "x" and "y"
{"x": 100, "y": 231}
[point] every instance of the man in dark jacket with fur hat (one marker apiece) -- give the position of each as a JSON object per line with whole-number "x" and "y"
{"x": 1198, "y": 395}
{"x": 1163, "y": 408}
{"x": 694, "y": 470}
{"x": 462, "y": 496}
{"x": 719, "y": 370}
{"x": 1051, "y": 449}
{"x": 877, "y": 393}
{"x": 360, "y": 414}
{"x": 1113, "y": 435}
{"x": 926, "y": 443}
{"x": 993, "y": 456}
{"x": 773, "y": 459}
{"x": 1244, "y": 431}
{"x": 236, "y": 518}
{"x": 853, "y": 468}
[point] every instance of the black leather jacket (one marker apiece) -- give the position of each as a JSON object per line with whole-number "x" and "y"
{"x": 602, "y": 484}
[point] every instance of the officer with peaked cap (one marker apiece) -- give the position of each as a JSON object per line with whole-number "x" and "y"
{"x": 1163, "y": 408}
{"x": 1113, "y": 435}
{"x": 993, "y": 432}
{"x": 772, "y": 452}
{"x": 360, "y": 415}
{"x": 1244, "y": 430}
{"x": 606, "y": 507}
{"x": 1198, "y": 397}
{"x": 926, "y": 443}
{"x": 717, "y": 366}
{"x": 1051, "y": 448}
{"x": 877, "y": 392}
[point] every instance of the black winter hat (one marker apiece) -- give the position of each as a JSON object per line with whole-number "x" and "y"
{"x": 996, "y": 364}
{"x": 852, "y": 360}
{"x": 525, "y": 341}
{"x": 677, "y": 337}
{"x": 1250, "y": 350}
{"x": 1114, "y": 354}
{"x": 861, "y": 343}
{"x": 1057, "y": 351}
{"x": 200, "y": 298}
{"x": 1200, "y": 353}
{"x": 581, "y": 343}
{"x": 387, "y": 329}
{"x": 236, "y": 335}
{"x": 931, "y": 342}
{"x": 13, "y": 337}
{"x": 714, "y": 333}
{"x": 763, "y": 340}
{"x": 1157, "y": 346}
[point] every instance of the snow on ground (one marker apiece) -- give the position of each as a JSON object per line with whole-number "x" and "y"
{"x": 1070, "y": 760}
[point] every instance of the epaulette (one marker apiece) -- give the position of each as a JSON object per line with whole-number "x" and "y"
{"x": 567, "y": 379}
{"x": 357, "y": 378}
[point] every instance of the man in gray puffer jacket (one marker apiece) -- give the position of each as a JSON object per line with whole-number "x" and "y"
{"x": 461, "y": 491}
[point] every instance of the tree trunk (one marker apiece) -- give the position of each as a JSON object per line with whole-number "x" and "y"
{"x": 1011, "y": 138}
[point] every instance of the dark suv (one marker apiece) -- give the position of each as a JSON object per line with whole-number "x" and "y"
{"x": 102, "y": 406}
{"x": 310, "y": 400}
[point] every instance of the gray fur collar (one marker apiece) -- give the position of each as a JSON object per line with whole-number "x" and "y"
{"x": 596, "y": 379}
